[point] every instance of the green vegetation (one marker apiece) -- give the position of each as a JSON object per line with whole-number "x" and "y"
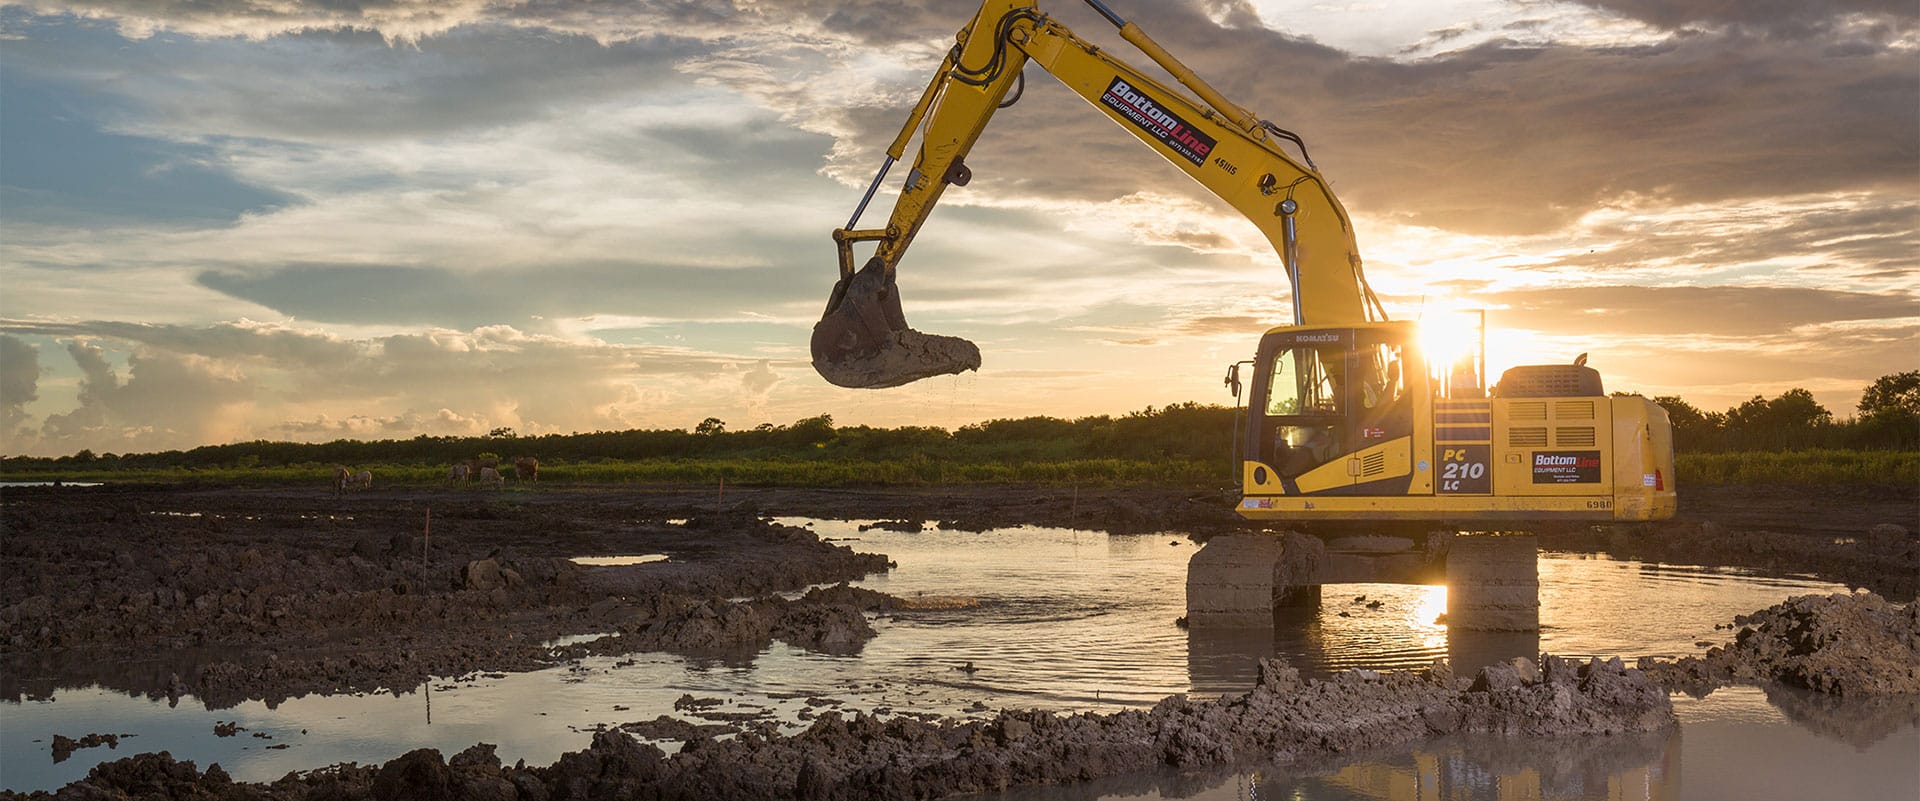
{"x": 1889, "y": 419}
{"x": 1798, "y": 467}
{"x": 1787, "y": 439}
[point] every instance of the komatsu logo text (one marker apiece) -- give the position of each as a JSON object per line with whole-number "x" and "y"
{"x": 1164, "y": 125}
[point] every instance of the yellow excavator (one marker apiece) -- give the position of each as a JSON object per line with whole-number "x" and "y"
{"x": 1347, "y": 418}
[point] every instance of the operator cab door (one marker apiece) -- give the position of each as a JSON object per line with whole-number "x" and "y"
{"x": 1331, "y": 413}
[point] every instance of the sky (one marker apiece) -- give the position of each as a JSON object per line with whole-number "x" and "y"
{"x": 228, "y": 220}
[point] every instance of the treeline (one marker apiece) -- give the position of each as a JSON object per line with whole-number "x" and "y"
{"x": 1187, "y": 431}
{"x": 1888, "y": 419}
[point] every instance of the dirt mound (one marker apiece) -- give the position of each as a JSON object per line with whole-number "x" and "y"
{"x": 1844, "y": 644}
{"x": 864, "y": 757}
{"x": 1861, "y": 536}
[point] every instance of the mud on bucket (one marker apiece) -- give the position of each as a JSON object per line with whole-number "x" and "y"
{"x": 863, "y": 341}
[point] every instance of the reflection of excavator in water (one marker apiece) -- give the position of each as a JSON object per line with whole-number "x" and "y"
{"x": 1347, "y": 418}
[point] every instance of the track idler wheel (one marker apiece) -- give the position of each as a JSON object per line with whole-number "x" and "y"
{"x": 863, "y": 341}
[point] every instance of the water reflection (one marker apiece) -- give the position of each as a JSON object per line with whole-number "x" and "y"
{"x": 1366, "y": 626}
{"x": 619, "y": 561}
{"x": 1734, "y": 744}
{"x": 1469, "y": 651}
{"x": 1858, "y": 721}
{"x": 1644, "y": 767}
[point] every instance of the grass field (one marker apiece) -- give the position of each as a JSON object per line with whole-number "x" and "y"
{"x": 1799, "y": 467}
{"x": 1823, "y": 467}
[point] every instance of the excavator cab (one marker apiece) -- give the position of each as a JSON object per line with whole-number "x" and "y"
{"x": 1322, "y": 396}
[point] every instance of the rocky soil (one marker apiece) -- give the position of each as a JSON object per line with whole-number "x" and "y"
{"x": 1283, "y": 719}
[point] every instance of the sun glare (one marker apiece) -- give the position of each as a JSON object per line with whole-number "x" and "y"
{"x": 1450, "y": 340}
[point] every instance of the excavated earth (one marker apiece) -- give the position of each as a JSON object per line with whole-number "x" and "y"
{"x": 231, "y": 594}
{"x": 1844, "y": 644}
{"x": 1282, "y": 720}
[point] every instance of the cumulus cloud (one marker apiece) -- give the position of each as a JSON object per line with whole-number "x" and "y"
{"x": 189, "y": 385}
{"x": 19, "y": 384}
{"x": 168, "y": 400}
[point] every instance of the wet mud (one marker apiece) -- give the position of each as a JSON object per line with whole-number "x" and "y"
{"x": 231, "y": 597}
{"x": 1282, "y": 720}
{"x": 1856, "y": 644}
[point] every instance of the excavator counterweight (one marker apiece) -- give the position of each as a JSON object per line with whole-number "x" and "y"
{"x": 863, "y": 341}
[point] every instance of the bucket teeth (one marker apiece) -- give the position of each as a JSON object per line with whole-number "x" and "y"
{"x": 863, "y": 341}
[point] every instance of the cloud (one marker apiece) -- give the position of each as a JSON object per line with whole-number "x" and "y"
{"x": 168, "y": 400}
{"x": 19, "y": 384}
{"x": 1778, "y": 18}
{"x": 444, "y": 422}
{"x": 362, "y": 294}
{"x": 1721, "y": 311}
{"x": 189, "y": 385}
{"x": 64, "y": 169}
{"x": 756, "y": 386}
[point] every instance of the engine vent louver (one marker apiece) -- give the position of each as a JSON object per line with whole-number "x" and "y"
{"x": 1528, "y": 410}
{"x": 1530, "y": 437}
{"x": 1573, "y": 436}
{"x": 1573, "y": 410}
{"x": 1373, "y": 464}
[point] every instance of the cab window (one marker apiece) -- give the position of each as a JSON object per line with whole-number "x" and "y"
{"x": 1305, "y": 381}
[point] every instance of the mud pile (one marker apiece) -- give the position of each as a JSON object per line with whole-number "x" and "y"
{"x": 862, "y": 757}
{"x": 825, "y": 620}
{"x": 1843, "y": 644}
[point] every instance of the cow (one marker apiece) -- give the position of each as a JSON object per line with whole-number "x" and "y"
{"x": 460, "y": 473}
{"x": 491, "y": 476}
{"x": 526, "y": 468}
{"x": 340, "y": 479}
{"x": 363, "y": 479}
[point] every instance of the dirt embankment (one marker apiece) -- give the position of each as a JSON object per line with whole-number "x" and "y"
{"x": 1865, "y": 536}
{"x": 1283, "y": 719}
{"x": 236, "y": 595}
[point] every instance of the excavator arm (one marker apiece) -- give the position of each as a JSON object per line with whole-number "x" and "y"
{"x": 863, "y": 340}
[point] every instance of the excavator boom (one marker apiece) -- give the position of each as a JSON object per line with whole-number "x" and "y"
{"x": 863, "y": 340}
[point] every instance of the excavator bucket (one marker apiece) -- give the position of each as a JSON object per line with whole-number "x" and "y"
{"x": 863, "y": 341}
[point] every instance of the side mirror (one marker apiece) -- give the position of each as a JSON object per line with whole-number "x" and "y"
{"x": 1233, "y": 379}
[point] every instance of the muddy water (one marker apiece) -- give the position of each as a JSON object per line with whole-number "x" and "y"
{"x": 1043, "y": 617}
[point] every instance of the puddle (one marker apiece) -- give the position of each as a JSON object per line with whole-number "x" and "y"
{"x": 618, "y": 561}
{"x": 1057, "y": 619}
{"x": 49, "y": 484}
